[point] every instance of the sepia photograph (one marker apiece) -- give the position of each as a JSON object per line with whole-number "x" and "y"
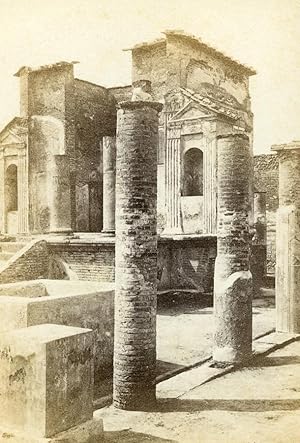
{"x": 149, "y": 207}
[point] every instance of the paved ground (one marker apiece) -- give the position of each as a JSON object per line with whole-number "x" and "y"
{"x": 185, "y": 329}
{"x": 259, "y": 404}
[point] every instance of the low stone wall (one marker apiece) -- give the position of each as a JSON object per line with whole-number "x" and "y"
{"x": 184, "y": 262}
{"x": 31, "y": 262}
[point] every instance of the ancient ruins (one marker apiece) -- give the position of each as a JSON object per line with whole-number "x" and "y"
{"x": 113, "y": 199}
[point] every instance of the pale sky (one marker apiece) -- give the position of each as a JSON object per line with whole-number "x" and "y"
{"x": 264, "y": 34}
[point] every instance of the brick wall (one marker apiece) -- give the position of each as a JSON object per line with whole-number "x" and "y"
{"x": 182, "y": 264}
{"x": 266, "y": 176}
{"x": 89, "y": 261}
{"x": 50, "y": 132}
{"x": 29, "y": 263}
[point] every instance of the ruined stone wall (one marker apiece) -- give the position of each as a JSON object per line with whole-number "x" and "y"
{"x": 194, "y": 66}
{"x": 180, "y": 62}
{"x": 150, "y": 63}
{"x": 51, "y": 132}
{"x": 95, "y": 116}
{"x": 266, "y": 179}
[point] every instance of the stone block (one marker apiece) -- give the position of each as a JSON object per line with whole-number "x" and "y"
{"x": 46, "y": 379}
{"x": 72, "y": 303}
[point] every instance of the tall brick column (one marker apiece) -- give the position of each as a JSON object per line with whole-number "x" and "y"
{"x": 233, "y": 281}
{"x": 288, "y": 239}
{"x": 136, "y": 255}
{"x": 109, "y": 184}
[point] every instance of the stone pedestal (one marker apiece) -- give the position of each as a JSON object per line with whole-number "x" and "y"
{"x": 109, "y": 185}
{"x": 136, "y": 255}
{"x": 233, "y": 281}
{"x": 288, "y": 239}
{"x": 46, "y": 381}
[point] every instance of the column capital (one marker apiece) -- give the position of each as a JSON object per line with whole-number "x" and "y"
{"x": 287, "y": 147}
{"x": 140, "y": 104}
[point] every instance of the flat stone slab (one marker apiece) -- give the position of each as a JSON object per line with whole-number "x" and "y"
{"x": 187, "y": 381}
{"x": 89, "y": 432}
{"x": 277, "y": 338}
{"x": 47, "y": 287}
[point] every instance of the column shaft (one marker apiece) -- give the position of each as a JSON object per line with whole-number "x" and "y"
{"x": 2, "y": 192}
{"x": 288, "y": 243}
{"x": 109, "y": 184}
{"x": 60, "y": 194}
{"x": 173, "y": 178}
{"x": 136, "y": 255}
{"x": 209, "y": 188}
{"x": 233, "y": 282}
{"x": 22, "y": 191}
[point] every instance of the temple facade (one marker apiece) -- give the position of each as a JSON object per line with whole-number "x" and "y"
{"x": 51, "y": 156}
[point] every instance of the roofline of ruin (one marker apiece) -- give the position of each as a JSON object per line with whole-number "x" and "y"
{"x": 181, "y": 34}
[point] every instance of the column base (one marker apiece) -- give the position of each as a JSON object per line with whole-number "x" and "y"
{"x": 173, "y": 231}
{"x": 231, "y": 356}
{"x": 108, "y": 232}
{"x": 61, "y": 231}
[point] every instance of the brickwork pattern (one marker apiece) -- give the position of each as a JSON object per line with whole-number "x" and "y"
{"x": 136, "y": 255}
{"x": 29, "y": 263}
{"x": 94, "y": 262}
{"x": 233, "y": 286}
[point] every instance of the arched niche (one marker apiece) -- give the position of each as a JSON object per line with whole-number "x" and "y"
{"x": 11, "y": 199}
{"x": 11, "y": 188}
{"x": 192, "y": 183}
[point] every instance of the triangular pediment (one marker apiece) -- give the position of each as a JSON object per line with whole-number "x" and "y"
{"x": 14, "y": 132}
{"x": 10, "y": 139}
{"x": 185, "y": 104}
{"x": 192, "y": 110}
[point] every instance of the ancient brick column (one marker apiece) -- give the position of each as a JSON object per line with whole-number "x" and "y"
{"x": 233, "y": 281}
{"x": 109, "y": 184}
{"x": 136, "y": 255}
{"x": 288, "y": 239}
